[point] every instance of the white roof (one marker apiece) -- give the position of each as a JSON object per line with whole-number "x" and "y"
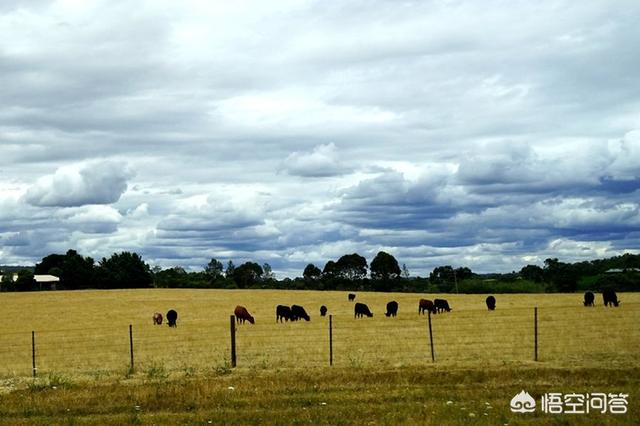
{"x": 41, "y": 278}
{"x": 46, "y": 278}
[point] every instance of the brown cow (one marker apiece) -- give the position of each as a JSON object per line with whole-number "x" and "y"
{"x": 426, "y": 305}
{"x": 243, "y": 315}
{"x": 157, "y": 318}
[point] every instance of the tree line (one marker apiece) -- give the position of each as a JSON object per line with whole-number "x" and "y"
{"x": 349, "y": 272}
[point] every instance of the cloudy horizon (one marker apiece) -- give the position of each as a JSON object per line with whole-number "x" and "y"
{"x": 489, "y": 135}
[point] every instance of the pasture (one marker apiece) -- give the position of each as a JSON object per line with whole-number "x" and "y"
{"x": 382, "y": 369}
{"x": 82, "y": 331}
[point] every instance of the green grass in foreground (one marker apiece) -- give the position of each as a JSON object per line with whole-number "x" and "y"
{"x": 435, "y": 394}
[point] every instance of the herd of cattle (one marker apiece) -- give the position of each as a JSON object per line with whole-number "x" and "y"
{"x": 296, "y": 312}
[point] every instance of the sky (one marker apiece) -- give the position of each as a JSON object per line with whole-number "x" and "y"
{"x": 489, "y": 134}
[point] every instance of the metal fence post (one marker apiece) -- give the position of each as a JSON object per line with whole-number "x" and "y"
{"x": 131, "y": 345}
{"x": 535, "y": 333}
{"x": 330, "y": 339}
{"x": 232, "y": 324}
{"x": 433, "y": 354}
{"x": 33, "y": 353}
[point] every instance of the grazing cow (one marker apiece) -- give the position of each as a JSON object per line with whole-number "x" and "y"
{"x": 352, "y": 297}
{"x": 157, "y": 318}
{"x": 610, "y": 298}
{"x": 426, "y": 305}
{"x": 283, "y": 313}
{"x": 491, "y": 303}
{"x": 361, "y": 309}
{"x": 172, "y": 317}
{"x": 441, "y": 305}
{"x": 323, "y": 311}
{"x": 589, "y": 298}
{"x": 298, "y": 312}
{"x": 392, "y": 309}
{"x": 243, "y": 315}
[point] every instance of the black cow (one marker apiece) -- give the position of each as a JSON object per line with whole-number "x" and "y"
{"x": 283, "y": 313}
{"x": 352, "y": 297}
{"x": 491, "y": 303}
{"x": 298, "y": 312}
{"x": 441, "y": 305}
{"x": 392, "y": 309}
{"x": 361, "y": 309}
{"x": 426, "y": 305}
{"x": 610, "y": 298}
{"x": 589, "y": 298}
{"x": 323, "y": 311}
{"x": 172, "y": 317}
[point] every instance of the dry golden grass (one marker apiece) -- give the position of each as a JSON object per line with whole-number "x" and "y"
{"x": 88, "y": 331}
{"x": 382, "y": 374}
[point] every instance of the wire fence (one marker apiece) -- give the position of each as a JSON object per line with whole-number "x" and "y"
{"x": 571, "y": 335}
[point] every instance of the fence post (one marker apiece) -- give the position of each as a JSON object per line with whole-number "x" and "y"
{"x": 33, "y": 353}
{"x": 535, "y": 333}
{"x": 331, "y": 340}
{"x": 131, "y": 345}
{"x": 433, "y": 354}
{"x": 232, "y": 324}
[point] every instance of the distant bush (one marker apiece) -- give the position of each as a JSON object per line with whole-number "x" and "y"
{"x": 478, "y": 286}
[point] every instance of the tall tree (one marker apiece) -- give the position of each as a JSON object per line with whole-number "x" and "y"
{"x": 352, "y": 267}
{"x": 268, "y": 274}
{"x": 247, "y": 274}
{"x": 330, "y": 269}
{"x": 384, "y": 267}
{"x": 74, "y": 270}
{"x": 124, "y": 270}
{"x": 213, "y": 269}
{"x": 230, "y": 269}
{"x": 311, "y": 272}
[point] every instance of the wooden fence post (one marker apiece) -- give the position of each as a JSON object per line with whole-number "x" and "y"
{"x": 232, "y": 324}
{"x": 131, "y": 345}
{"x": 433, "y": 354}
{"x": 331, "y": 340}
{"x": 535, "y": 333}
{"x": 33, "y": 353}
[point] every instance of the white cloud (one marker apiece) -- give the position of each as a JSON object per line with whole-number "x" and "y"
{"x": 323, "y": 161}
{"x": 91, "y": 183}
{"x": 445, "y": 131}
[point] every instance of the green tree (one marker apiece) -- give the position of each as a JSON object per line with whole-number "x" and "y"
{"x": 561, "y": 276}
{"x": 352, "y": 267}
{"x": 405, "y": 272}
{"x": 230, "y": 269}
{"x": 25, "y": 281}
{"x": 247, "y": 274}
{"x": 532, "y": 273}
{"x": 8, "y": 284}
{"x": 214, "y": 270}
{"x": 384, "y": 267}
{"x": 330, "y": 270}
{"x": 74, "y": 270}
{"x": 268, "y": 274}
{"x": 124, "y": 270}
{"x": 311, "y": 272}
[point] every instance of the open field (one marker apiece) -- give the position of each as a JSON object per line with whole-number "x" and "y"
{"x": 85, "y": 331}
{"x": 382, "y": 374}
